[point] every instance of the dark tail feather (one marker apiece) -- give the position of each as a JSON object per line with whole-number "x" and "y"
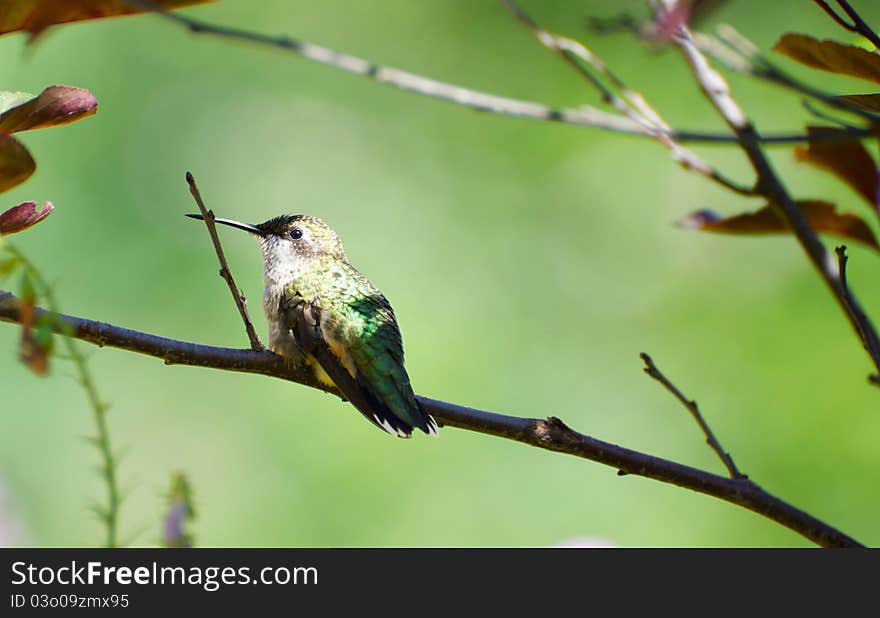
{"x": 361, "y": 395}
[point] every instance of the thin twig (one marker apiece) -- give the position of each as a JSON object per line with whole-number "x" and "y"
{"x": 814, "y": 111}
{"x": 238, "y": 297}
{"x": 737, "y": 53}
{"x": 842, "y": 259}
{"x": 550, "y": 434}
{"x": 752, "y": 62}
{"x": 467, "y": 97}
{"x": 691, "y": 405}
{"x": 771, "y": 139}
{"x": 858, "y": 24}
{"x": 630, "y": 103}
{"x": 576, "y": 54}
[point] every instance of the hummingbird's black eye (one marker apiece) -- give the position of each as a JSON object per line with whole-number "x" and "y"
{"x": 296, "y": 233}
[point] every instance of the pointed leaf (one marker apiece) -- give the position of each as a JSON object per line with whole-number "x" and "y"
{"x": 827, "y": 55}
{"x": 34, "y": 16}
{"x": 849, "y": 160}
{"x": 55, "y": 106}
{"x": 868, "y": 102}
{"x": 822, "y": 217}
{"x": 23, "y": 216}
{"x": 16, "y": 164}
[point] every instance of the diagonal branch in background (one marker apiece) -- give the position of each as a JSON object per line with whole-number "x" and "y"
{"x": 550, "y": 434}
{"x": 585, "y": 116}
{"x": 770, "y": 186}
{"x": 691, "y": 405}
{"x": 237, "y": 296}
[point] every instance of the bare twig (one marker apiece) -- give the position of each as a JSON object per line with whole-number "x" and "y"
{"x": 841, "y": 267}
{"x": 858, "y": 24}
{"x": 550, "y": 434}
{"x": 467, "y": 97}
{"x": 576, "y": 54}
{"x": 774, "y": 139}
{"x": 240, "y": 300}
{"x": 691, "y": 405}
{"x": 848, "y": 300}
{"x": 739, "y": 54}
{"x": 818, "y": 113}
{"x": 630, "y": 103}
{"x": 770, "y": 186}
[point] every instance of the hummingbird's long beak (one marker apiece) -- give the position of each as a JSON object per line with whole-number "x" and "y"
{"x": 242, "y": 226}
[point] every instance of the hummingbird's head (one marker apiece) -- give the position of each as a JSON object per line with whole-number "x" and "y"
{"x": 290, "y": 239}
{"x": 297, "y": 238}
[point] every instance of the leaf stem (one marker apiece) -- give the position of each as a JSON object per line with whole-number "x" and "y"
{"x": 110, "y": 514}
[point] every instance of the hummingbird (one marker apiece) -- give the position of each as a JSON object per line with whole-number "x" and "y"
{"x": 324, "y": 313}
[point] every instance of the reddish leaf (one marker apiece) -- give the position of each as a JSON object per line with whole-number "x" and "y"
{"x": 16, "y": 164}
{"x": 869, "y": 102}
{"x": 56, "y": 105}
{"x": 830, "y": 56}
{"x": 23, "y": 216}
{"x": 34, "y": 16}
{"x": 822, "y": 217}
{"x": 849, "y": 160}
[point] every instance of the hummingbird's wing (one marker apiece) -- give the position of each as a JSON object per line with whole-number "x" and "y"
{"x": 365, "y": 362}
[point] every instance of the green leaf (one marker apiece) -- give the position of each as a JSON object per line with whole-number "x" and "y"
{"x": 9, "y": 266}
{"x": 26, "y": 290}
{"x": 43, "y": 334}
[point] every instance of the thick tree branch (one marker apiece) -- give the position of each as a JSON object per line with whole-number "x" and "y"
{"x": 237, "y": 296}
{"x": 585, "y": 116}
{"x": 550, "y": 434}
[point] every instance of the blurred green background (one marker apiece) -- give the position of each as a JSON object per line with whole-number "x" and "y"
{"x": 529, "y": 263}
